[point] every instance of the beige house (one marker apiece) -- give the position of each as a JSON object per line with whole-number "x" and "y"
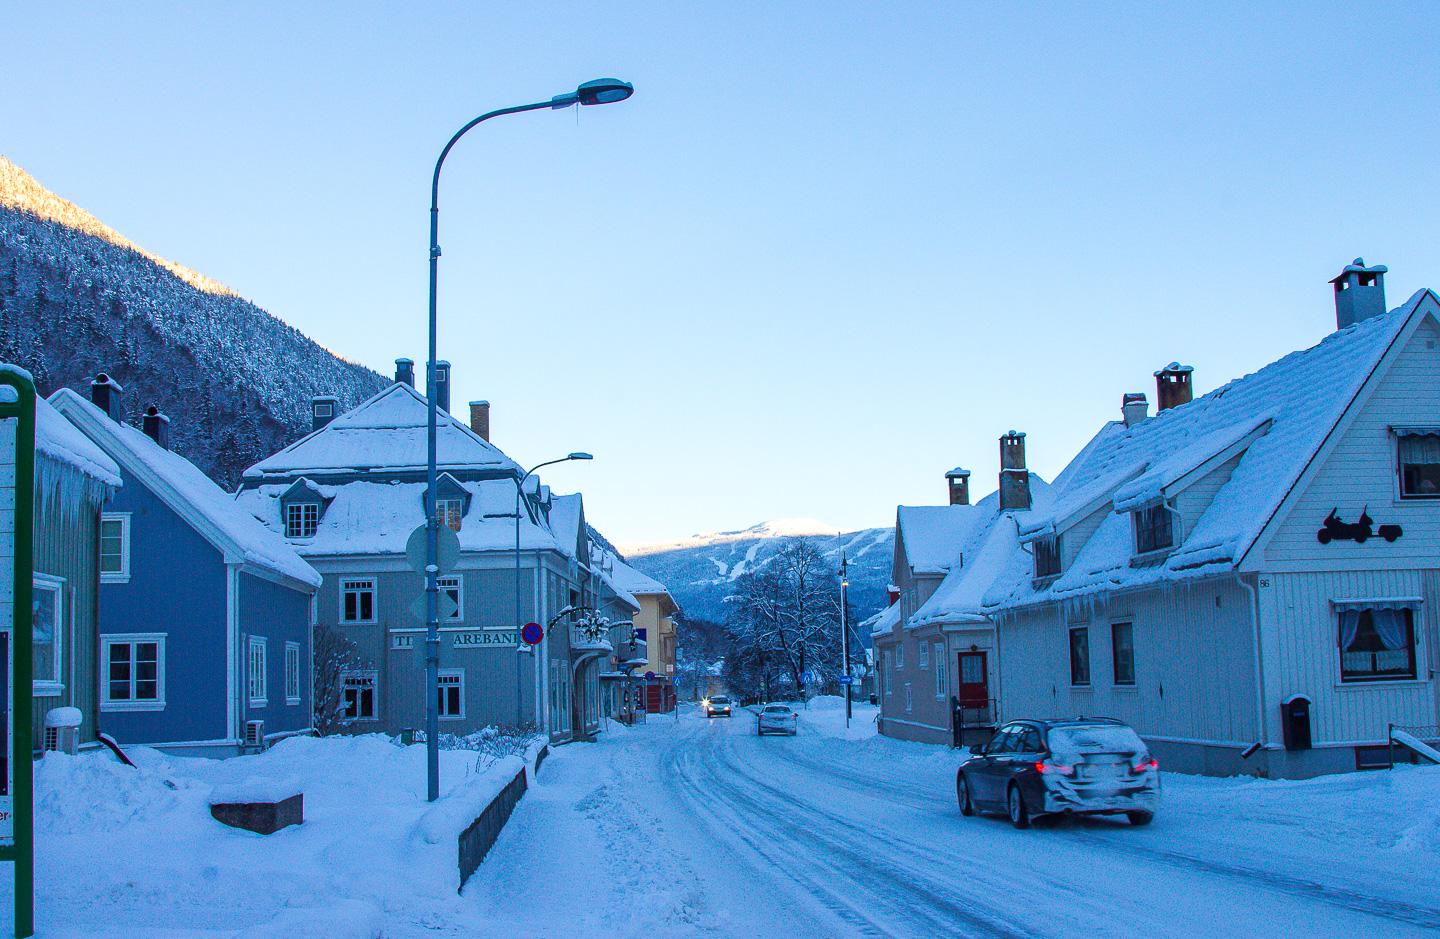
{"x": 655, "y": 626}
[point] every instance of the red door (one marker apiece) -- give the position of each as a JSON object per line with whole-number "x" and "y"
{"x": 973, "y": 688}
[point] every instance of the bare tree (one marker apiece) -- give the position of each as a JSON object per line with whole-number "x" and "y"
{"x": 787, "y": 614}
{"x": 334, "y": 656}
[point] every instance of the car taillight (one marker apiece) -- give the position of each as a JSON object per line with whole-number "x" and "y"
{"x": 1144, "y": 765}
{"x": 1058, "y": 768}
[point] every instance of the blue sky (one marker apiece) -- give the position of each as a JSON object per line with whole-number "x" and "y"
{"x": 827, "y": 252}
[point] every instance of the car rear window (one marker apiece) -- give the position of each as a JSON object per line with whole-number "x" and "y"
{"x": 777, "y": 709}
{"x": 1095, "y": 739}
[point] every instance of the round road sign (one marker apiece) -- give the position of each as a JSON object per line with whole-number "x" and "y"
{"x": 532, "y": 633}
{"x": 649, "y": 676}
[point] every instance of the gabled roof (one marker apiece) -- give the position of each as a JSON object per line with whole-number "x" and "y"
{"x": 188, "y": 492}
{"x": 934, "y": 537}
{"x": 1275, "y": 420}
{"x": 567, "y": 521}
{"x": 385, "y": 432}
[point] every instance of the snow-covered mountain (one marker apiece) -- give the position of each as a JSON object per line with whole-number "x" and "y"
{"x": 701, "y": 570}
{"x": 76, "y": 298}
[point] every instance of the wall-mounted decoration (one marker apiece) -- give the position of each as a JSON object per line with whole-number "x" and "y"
{"x": 1359, "y": 531}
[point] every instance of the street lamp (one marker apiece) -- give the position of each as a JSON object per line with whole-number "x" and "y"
{"x": 599, "y": 91}
{"x": 519, "y": 489}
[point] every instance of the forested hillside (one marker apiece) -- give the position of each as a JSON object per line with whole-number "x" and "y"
{"x": 76, "y": 298}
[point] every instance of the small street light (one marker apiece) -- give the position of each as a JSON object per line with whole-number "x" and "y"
{"x": 599, "y": 91}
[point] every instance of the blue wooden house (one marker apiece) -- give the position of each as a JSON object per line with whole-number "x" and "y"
{"x": 205, "y": 615}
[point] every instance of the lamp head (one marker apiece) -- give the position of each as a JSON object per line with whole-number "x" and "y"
{"x": 579, "y": 456}
{"x": 599, "y": 91}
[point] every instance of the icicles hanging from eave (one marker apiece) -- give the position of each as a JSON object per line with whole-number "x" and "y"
{"x": 69, "y": 489}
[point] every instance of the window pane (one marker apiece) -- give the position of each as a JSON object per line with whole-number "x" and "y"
{"x": 1420, "y": 465}
{"x": 1122, "y": 641}
{"x": 1080, "y": 656}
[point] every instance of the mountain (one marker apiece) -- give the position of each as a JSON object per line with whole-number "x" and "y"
{"x": 701, "y": 570}
{"x": 77, "y": 298}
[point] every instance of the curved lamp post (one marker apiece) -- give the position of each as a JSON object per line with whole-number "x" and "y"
{"x": 519, "y": 490}
{"x": 599, "y": 91}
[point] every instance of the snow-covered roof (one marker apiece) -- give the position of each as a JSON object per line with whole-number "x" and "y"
{"x": 567, "y": 515}
{"x": 186, "y": 490}
{"x": 637, "y": 583}
{"x": 1272, "y": 422}
{"x": 934, "y": 537}
{"x": 883, "y": 622}
{"x": 385, "y": 432}
{"x": 59, "y": 440}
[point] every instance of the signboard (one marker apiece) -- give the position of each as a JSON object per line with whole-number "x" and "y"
{"x": 649, "y": 676}
{"x": 7, "y": 619}
{"x": 532, "y": 633}
{"x": 447, "y": 556}
{"x": 846, "y": 680}
{"x": 448, "y": 609}
{"x": 485, "y": 637}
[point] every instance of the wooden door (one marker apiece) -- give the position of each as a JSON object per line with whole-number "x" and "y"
{"x": 973, "y": 685}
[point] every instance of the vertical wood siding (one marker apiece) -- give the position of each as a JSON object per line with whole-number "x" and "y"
{"x": 67, "y": 544}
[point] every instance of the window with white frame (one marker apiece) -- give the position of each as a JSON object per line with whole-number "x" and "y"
{"x": 1154, "y": 529}
{"x": 889, "y": 671}
{"x": 923, "y": 659}
{"x": 453, "y": 588}
{"x": 1377, "y": 644}
{"x": 942, "y": 677}
{"x": 357, "y": 599}
{"x": 47, "y": 622}
{"x": 292, "y": 673}
{"x": 1080, "y": 656}
{"x": 900, "y": 654}
{"x": 450, "y": 512}
{"x": 451, "y": 693}
{"x": 358, "y": 689}
{"x": 1122, "y": 652}
{"x": 302, "y": 519}
{"x": 115, "y": 547}
{"x": 255, "y": 677}
{"x": 133, "y": 672}
{"x": 909, "y": 698}
{"x": 1419, "y": 458}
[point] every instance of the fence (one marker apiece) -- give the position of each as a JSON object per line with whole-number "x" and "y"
{"x": 477, "y": 840}
{"x": 1428, "y": 734}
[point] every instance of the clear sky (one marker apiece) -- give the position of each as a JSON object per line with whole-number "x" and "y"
{"x": 827, "y": 252}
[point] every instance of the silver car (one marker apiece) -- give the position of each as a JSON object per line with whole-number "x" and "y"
{"x": 777, "y": 719}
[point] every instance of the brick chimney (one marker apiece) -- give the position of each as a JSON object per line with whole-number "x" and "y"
{"x": 1359, "y": 292}
{"x": 323, "y": 410}
{"x": 1014, "y": 477}
{"x": 480, "y": 418}
{"x": 442, "y": 386}
{"x": 405, "y": 371}
{"x": 105, "y": 394}
{"x": 1134, "y": 408}
{"x": 1172, "y": 383}
{"x": 156, "y": 426}
{"x": 959, "y": 480}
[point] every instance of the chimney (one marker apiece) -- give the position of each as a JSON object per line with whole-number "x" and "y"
{"x": 105, "y": 393}
{"x": 156, "y": 426}
{"x": 1172, "y": 384}
{"x": 323, "y": 409}
{"x": 959, "y": 480}
{"x": 1134, "y": 407}
{"x": 442, "y": 386}
{"x": 405, "y": 371}
{"x": 1014, "y": 477}
{"x": 1359, "y": 293}
{"x": 480, "y": 418}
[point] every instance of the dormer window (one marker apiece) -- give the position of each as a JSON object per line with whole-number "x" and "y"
{"x": 450, "y": 512}
{"x": 1154, "y": 529}
{"x": 1419, "y": 457}
{"x": 1047, "y": 556}
{"x": 302, "y": 519}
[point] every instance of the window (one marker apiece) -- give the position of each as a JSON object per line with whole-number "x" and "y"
{"x": 1122, "y": 652}
{"x": 324, "y": 409}
{"x": 923, "y": 660}
{"x": 1080, "y": 655}
{"x": 292, "y": 673}
{"x": 47, "y": 622}
{"x": 900, "y": 654}
{"x": 301, "y": 519}
{"x": 450, "y": 512}
{"x": 1153, "y": 529}
{"x": 942, "y": 676}
{"x": 1377, "y": 644}
{"x": 134, "y": 672}
{"x": 255, "y": 674}
{"x": 889, "y": 672}
{"x": 357, "y": 694}
{"x": 1005, "y": 741}
{"x": 357, "y": 600}
{"x": 452, "y": 588}
{"x": 1028, "y": 741}
{"x": 1419, "y": 466}
{"x": 451, "y": 693}
{"x": 115, "y": 548}
{"x": 909, "y": 698}
{"x": 1047, "y": 556}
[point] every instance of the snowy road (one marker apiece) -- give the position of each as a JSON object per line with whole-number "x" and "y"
{"x": 701, "y": 828}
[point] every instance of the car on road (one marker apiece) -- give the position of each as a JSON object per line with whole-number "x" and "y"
{"x": 1085, "y": 766}
{"x": 777, "y": 719}
{"x": 718, "y": 706}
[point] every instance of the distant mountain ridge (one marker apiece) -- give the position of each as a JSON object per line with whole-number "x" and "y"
{"x": 77, "y": 298}
{"x": 701, "y": 570}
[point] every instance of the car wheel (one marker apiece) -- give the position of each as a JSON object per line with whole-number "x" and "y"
{"x": 1019, "y": 814}
{"x": 1140, "y": 818}
{"x": 962, "y": 795}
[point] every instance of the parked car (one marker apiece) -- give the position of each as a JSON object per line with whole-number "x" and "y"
{"x": 777, "y": 719}
{"x": 1087, "y": 766}
{"x": 718, "y": 706}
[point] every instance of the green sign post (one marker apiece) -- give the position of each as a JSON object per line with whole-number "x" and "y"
{"x": 17, "y": 530}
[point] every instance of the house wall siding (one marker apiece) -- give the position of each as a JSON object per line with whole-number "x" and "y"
{"x": 67, "y": 545}
{"x": 279, "y": 614}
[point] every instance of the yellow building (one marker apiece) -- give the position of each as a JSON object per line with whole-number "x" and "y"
{"x": 655, "y": 625}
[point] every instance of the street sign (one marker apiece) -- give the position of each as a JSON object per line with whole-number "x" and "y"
{"x": 649, "y": 676}
{"x": 846, "y": 680}
{"x": 809, "y": 678}
{"x": 448, "y": 609}
{"x": 532, "y": 633}
{"x": 446, "y": 558}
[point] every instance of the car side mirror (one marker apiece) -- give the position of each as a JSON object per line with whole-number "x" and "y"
{"x": 978, "y": 749}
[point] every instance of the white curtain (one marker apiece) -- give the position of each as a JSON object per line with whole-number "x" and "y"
{"x": 1420, "y": 448}
{"x": 1349, "y": 626}
{"x": 1390, "y": 625}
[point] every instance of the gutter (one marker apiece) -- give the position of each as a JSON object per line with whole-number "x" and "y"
{"x": 1261, "y": 715}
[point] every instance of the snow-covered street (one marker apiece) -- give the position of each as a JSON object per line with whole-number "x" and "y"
{"x": 702, "y": 828}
